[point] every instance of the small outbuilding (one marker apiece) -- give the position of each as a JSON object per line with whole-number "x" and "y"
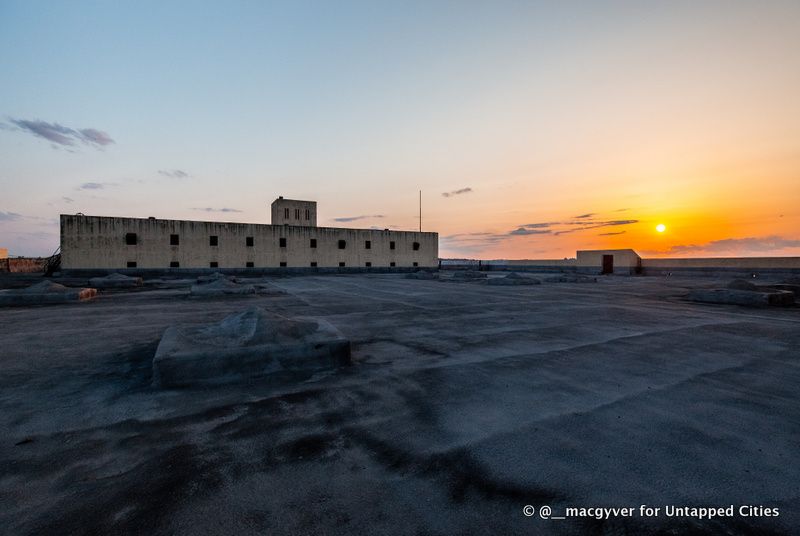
{"x": 609, "y": 261}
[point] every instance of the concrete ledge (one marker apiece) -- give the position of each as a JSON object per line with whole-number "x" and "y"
{"x": 115, "y": 280}
{"x": 513, "y": 279}
{"x": 45, "y": 293}
{"x": 244, "y": 346}
{"x": 149, "y": 273}
{"x": 742, "y": 297}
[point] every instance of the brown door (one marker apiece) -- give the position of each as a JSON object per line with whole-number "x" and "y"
{"x": 608, "y": 264}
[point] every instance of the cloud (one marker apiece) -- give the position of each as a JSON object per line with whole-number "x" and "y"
{"x": 67, "y": 199}
{"x": 596, "y": 225}
{"x": 9, "y": 216}
{"x": 612, "y": 234}
{"x": 64, "y": 136}
{"x": 584, "y": 216}
{"x": 97, "y": 137}
{"x": 523, "y": 231}
{"x": 174, "y": 173}
{"x": 210, "y": 209}
{"x": 537, "y": 225}
{"x": 346, "y": 219}
{"x": 763, "y": 244}
{"x": 457, "y": 192}
{"x": 93, "y": 185}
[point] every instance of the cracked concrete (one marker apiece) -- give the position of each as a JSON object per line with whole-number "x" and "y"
{"x": 464, "y": 403}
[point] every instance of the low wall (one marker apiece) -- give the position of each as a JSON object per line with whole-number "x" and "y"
{"x": 501, "y": 265}
{"x": 724, "y": 266}
{"x": 26, "y": 264}
{"x": 151, "y": 273}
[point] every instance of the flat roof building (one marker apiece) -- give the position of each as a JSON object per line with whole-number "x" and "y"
{"x": 100, "y": 242}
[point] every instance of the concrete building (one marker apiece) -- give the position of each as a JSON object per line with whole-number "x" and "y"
{"x": 609, "y": 261}
{"x": 293, "y": 241}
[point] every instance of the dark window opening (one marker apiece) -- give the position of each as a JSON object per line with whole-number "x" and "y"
{"x": 174, "y": 240}
{"x": 297, "y": 213}
{"x": 416, "y": 264}
{"x": 131, "y": 264}
{"x": 248, "y": 241}
{"x": 392, "y": 264}
{"x": 368, "y": 264}
{"x": 282, "y": 242}
{"x": 313, "y": 264}
{"x": 415, "y": 246}
{"x": 283, "y": 264}
{"x": 174, "y": 264}
{"x": 308, "y": 214}
{"x": 213, "y": 240}
{"x": 341, "y": 264}
{"x": 313, "y": 242}
{"x": 368, "y": 244}
{"x": 342, "y": 244}
{"x": 213, "y": 264}
{"x": 130, "y": 239}
{"x": 391, "y": 244}
{"x": 286, "y": 213}
{"x": 249, "y": 264}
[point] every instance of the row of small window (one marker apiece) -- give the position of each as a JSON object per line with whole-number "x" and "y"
{"x": 214, "y": 264}
{"x": 296, "y": 214}
{"x": 174, "y": 240}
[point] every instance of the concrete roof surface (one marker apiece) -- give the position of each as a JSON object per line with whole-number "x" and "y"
{"x": 465, "y": 403}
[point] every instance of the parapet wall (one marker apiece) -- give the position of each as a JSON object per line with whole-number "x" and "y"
{"x": 522, "y": 265}
{"x": 727, "y": 266}
{"x": 23, "y": 264}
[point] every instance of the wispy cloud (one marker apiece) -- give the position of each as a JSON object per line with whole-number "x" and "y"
{"x": 346, "y": 219}
{"x": 765, "y": 244}
{"x": 9, "y": 216}
{"x": 64, "y": 136}
{"x": 457, "y": 192}
{"x": 522, "y": 231}
{"x": 594, "y": 225}
{"x": 174, "y": 173}
{"x": 584, "y": 216}
{"x": 612, "y": 234}
{"x": 67, "y": 199}
{"x": 94, "y": 185}
{"x": 211, "y": 209}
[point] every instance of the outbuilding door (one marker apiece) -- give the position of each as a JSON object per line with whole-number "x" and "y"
{"x": 608, "y": 264}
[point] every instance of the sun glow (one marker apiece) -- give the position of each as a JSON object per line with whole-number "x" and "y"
{"x": 661, "y": 227}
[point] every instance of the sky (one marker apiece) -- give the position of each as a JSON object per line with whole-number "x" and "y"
{"x": 533, "y": 129}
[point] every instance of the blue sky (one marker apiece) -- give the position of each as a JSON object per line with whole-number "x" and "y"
{"x": 533, "y": 111}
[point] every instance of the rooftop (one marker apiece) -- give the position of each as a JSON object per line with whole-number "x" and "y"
{"x": 465, "y": 402}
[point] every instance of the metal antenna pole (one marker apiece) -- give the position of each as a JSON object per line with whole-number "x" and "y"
{"x": 420, "y": 211}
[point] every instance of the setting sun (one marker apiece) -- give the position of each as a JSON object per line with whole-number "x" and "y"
{"x": 661, "y": 227}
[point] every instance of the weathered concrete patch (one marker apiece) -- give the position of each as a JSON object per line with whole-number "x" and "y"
{"x": 463, "y": 276}
{"x": 741, "y": 284}
{"x": 115, "y": 281}
{"x": 571, "y": 279}
{"x": 514, "y": 279}
{"x": 742, "y": 297}
{"x": 423, "y": 274}
{"x": 216, "y": 276}
{"x": 795, "y": 289}
{"x": 246, "y": 345}
{"x": 45, "y": 293}
{"x": 221, "y": 287}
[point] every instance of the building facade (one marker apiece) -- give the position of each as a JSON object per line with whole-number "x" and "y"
{"x": 98, "y": 242}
